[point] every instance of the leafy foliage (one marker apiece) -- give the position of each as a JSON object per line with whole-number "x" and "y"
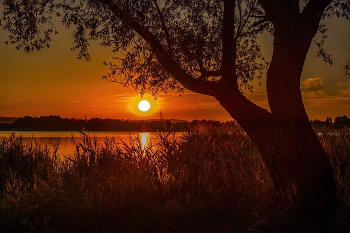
{"x": 338, "y": 8}
{"x": 29, "y": 23}
{"x": 190, "y": 31}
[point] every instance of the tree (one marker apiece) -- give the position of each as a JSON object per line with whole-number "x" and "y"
{"x": 210, "y": 47}
{"x": 342, "y": 121}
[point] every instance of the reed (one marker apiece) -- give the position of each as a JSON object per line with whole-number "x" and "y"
{"x": 210, "y": 179}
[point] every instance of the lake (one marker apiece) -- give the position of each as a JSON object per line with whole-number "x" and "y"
{"x": 67, "y": 147}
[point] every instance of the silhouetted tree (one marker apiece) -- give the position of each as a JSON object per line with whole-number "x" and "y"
{"x": 342, "y": 121}
{"x": 210, "y": 47}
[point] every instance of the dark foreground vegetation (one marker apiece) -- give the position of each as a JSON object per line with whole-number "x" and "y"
{"x": 212, "y": 179}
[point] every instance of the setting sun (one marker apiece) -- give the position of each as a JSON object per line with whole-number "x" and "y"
{"x": 144, "y": 105}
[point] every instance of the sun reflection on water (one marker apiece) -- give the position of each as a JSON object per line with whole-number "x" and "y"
{"x": 144, "y": 140}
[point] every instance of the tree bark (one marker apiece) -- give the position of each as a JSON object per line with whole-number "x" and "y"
{"x": 300, "y": 170}
{"x": 299, "y": 166}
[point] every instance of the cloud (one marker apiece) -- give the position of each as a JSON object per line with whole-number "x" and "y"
{"x": 208, "y": 104}
{"x": 345, "y": 93}
{"x": 123, "y": 95}
{"x": 122, "y": 101}
{"x": 312, "y": 83}
{"x": 314, "y": 95}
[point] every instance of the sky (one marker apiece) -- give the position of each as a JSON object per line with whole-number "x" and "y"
{"x": 54, "y": 82}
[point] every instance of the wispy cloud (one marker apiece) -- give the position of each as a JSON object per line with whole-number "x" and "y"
{"x": 345, "y": 92}
{"x": 122, "y": 101}
{"x": 123, "y": 95}
{"x": 110, "y": 105}
{"x": 312, "y": 83}
{"x": 211, "y": 104}
{"x": 314, "y": 95}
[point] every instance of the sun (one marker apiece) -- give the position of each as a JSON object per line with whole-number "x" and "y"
{"x": 144, "y": 105}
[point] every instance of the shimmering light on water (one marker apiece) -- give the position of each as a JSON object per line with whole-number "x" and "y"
{"x": 66, "y": 147}
{"x": 144, "y": 140}
{"x": 63, "y": 138}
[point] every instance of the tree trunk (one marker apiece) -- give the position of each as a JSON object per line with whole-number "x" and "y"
{"x": 299, "y": 166}
{"x": 300, "y": 170}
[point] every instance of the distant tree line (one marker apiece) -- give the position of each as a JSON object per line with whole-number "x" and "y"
{"x": 338, "y": 122}
{"x": 56, "y": 123}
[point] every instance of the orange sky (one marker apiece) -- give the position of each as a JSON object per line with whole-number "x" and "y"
{"x": 54, "y": 82}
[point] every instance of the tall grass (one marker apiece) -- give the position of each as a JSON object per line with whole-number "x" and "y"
{"x": 211, "y": 179}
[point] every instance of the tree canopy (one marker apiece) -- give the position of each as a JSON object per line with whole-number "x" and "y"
{"x": 210, "y": 47}
{"x": 153, "y": 40}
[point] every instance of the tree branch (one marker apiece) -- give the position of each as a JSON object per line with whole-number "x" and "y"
{"x": 229, "y": 44}
{"x": 275, "y": 8}
{"x": 313, "y": 11}
{"x": 257, "y": 23}
{"x": 250, "y": 32}
{"x": 207, "y": 73}
{"x": 240, "y": 29}
{"x": 268, "y": 6}
{"x": 195, "y": 85}
{"x": 164, "y": 28}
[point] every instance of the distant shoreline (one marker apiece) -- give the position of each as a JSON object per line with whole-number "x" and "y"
{"x": 89, "y": 131}
{"x": 8, "y": 120}
{"x": 57, "y": 123}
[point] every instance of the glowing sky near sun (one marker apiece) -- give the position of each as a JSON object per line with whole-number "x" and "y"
{"x": 54, "y": 82}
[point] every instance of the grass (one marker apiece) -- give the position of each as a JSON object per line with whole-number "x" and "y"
{"x": 211, "y": 179}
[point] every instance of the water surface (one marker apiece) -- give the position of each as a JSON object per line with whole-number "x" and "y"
{"x": 64, "y": 141}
